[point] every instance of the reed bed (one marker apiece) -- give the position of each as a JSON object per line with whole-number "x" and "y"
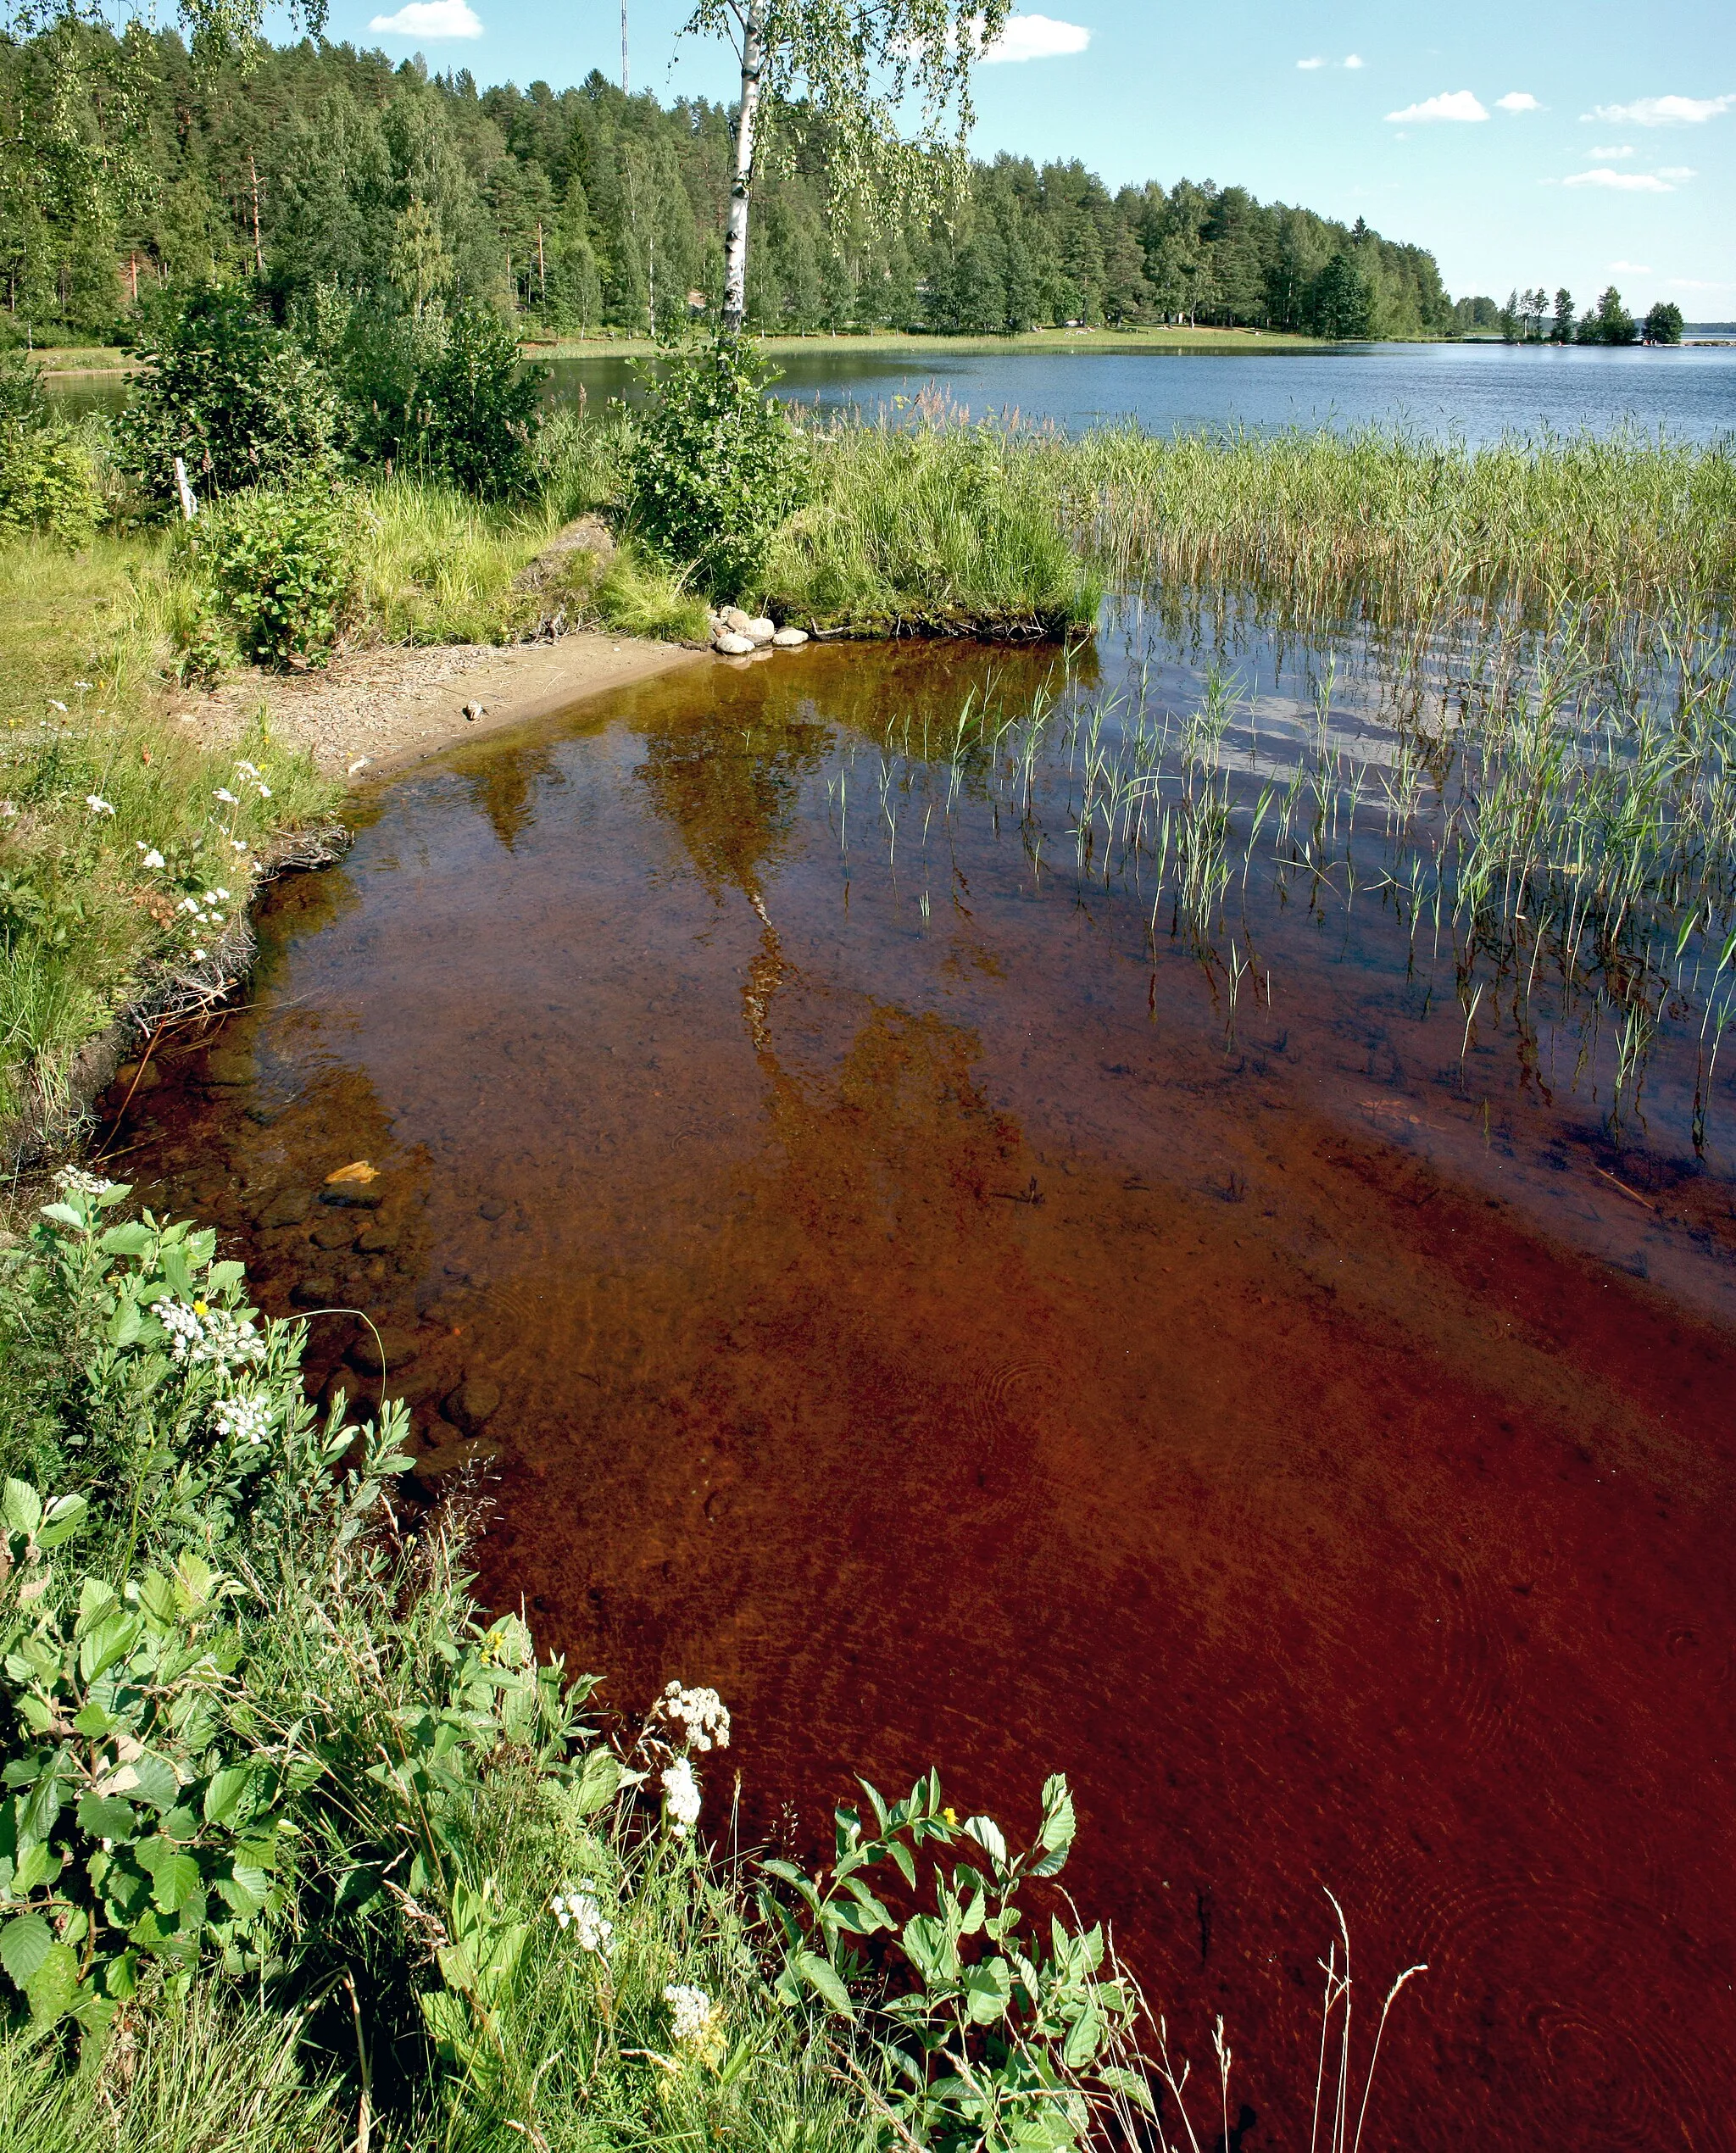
{"x": 1394, "y": 527}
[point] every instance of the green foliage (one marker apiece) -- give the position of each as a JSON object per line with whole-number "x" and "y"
{"x": 47, "y": 483}
{"x": 569, "y": 209}
{"x": 1609, "y": 324}
{"x": 714, "y": 466}
{"x": 262, "y": 1764}
{"x": 1340, "y": 301}
{"x": 1663, "y": 323}
{"x": 238, "y": 400}
{"x": 480, "y": 407}
{"x": 283, "y": 564}
{"x": 993, "y": 2039}
{"x": 933, "y": 527}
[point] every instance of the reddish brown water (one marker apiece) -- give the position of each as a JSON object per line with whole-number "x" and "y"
{"x": 952, "y": 1338}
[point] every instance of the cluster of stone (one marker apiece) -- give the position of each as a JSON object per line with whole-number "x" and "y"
{"x": 736, "y": 634}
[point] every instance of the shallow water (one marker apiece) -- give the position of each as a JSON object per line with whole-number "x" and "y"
{"x": 925, "y": 1305}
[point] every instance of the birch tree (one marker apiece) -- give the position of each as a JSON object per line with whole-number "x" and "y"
{"x": 890, "y": 78}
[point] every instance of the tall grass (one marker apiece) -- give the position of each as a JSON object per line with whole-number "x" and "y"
{"x": 1396, "y": 526}
{"x": 936, "y": 528}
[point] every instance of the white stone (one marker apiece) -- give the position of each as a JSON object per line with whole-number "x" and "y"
{"x": 790, "y": 638}
{"x": 734, "y": 619}
{"x": 760, "y": 630}
{"x": 734, "y": 646}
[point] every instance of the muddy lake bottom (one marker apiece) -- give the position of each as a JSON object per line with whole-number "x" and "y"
{"x": 899, "y": 1288}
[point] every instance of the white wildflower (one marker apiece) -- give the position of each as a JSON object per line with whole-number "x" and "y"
{"x": 212, "y": 1335}
{"x": 702, "y": 1712}
{"x": 681, "y": 1795}
{"x": 245, "y": 770}
{"x": 153, "y": 859}
{"x": 238, "y": 844}
{"x": 83, "y": 687}
{"x": 265, "y": 791}
{"x": 55, "y": 705}
{"x": 198, "y": 956}
{"x": 97, "y": 804}
{"x": 692, "y": 2010}
{"x": 74, "y": 1181}
{"x": 189, "y": 904}
{"x": 223, "y": 792}
{"x": 245, "y": 1418}
{"x": 7, "y": 808}
{"x": 579, "y": 1910}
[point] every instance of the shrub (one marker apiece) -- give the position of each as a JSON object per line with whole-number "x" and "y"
{"x": 713, "y": 466}
{"x": 480, "y": 408}
{"x": 47, "y": 483}
{"x": 283, "y": 564}
{"x": 241, "y": 402}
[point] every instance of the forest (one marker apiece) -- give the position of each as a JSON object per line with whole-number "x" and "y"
{"x": 123, "y": 167}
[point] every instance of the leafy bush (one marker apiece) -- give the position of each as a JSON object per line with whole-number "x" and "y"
{"x": 283, "y": 566}
{"x": 480, "y": 407}
{"x": 238, "y": 400}
{"x": 47, "y": 483}
{"x": 714, "y": 466}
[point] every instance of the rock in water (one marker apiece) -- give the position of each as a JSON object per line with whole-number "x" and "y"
{"x": 730, "y": 645}
{"x": 790, "y": 638}
{"x": 474, "y": 1404}
{"x": 761, "y": 631}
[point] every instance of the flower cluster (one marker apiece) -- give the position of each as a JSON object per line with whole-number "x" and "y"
{"x": 692, "y": 2012}
{"x": 97, "y": 804}
{"x": 578, "y": 1910}
{"x": 213, "y": 1335}
{"x": 74, "y": 1181}
{"x": 246, "y": 1417}
{"x": 681, "y": 1795}
{"x": 701, "y": 1712}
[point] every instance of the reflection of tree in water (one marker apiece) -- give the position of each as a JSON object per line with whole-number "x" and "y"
{"x": 504, "y": 789}
{"x": 730, "y": 780}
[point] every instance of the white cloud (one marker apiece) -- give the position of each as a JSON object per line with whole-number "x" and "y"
{"x": 1450, "y": 104}
{"x": 431, "y": 18}
{"x": 1629, "y": 182}
{"x": 1518, "y": 101}
{"x": 1354, "y": 60}
{"x": 1698, "y": 284}
{"x": 1036, "y": 38}
{"x": 1306, "y": 65}
{"x": 1619, "y": 149}
{"x": 1662, "y": 112}
{"x": 1631, "y": 268}
{"x": 1675, "y": 171}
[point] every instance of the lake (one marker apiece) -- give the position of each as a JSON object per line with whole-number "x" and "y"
{"x": 933, "y": 1286}
{"x": 1474, "y": 392}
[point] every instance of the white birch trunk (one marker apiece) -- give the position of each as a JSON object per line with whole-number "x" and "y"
{"x": 735, "y": 243}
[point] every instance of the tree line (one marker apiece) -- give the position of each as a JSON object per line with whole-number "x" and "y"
{"x": 124, "y": 168}
{"x": 1531, "y": 317}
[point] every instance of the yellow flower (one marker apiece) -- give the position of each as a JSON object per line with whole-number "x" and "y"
{"x": 951, "y": 1814}
{"x": 200, "y": 1308}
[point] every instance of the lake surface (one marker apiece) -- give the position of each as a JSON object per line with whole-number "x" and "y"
{"x": 1475, "y": 393}
{"x": 968, "y": 1318}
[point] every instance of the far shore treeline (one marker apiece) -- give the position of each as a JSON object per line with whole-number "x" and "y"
{"x": 122, "y": 167}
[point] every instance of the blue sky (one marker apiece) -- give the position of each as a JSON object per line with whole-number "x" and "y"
{"x": 1530, "y": 142}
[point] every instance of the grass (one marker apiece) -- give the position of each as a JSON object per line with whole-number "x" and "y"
{"x": 1396, "y": 527}
{"x": 936, "y": 528}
